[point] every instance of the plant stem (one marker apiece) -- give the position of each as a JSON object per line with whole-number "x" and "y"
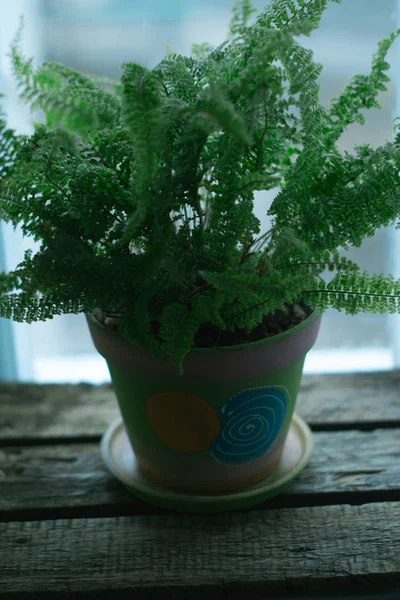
{"x": 260, "y": 147}
{"x": 353, "y": 293}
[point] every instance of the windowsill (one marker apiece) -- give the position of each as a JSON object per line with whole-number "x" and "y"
{"x": 92, "y": 368}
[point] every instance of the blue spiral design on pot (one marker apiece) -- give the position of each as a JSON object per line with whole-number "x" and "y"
{"x": 250, "y": 423}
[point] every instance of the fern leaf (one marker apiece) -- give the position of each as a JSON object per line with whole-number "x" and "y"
{"x": 260, "y": 181}
{"x": 281, "y": 13}
{"x": 135, "y": 326}
{"x": 215, "y": 108}
{"x": 28, "y": 308}
{"x": 178, "y": 328}
{"x": 242, "y": 12}
{"x": 67, "y": 98}
{"x": 179, "y": 325}
{"x": 201, "y": 51}
{"x": 141, "y": 101}
{"x": 235, "y": 284}
{"x": 177, "y": 78}
{"x": 361, "y": 93}
{"x": 357, "y": 292}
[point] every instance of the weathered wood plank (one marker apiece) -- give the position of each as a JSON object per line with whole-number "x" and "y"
{"x": 266, "y": 552}
{"x": 348, "y": 398}
{"x": 29, "y": 411}
{"x": 353, "y": 465}
{"x": 43, "y": 412}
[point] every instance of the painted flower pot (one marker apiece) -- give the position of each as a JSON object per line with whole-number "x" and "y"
{"x": 222, "y": 425}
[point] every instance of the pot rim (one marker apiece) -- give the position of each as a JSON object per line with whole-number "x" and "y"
{"x": 272, "y": 339}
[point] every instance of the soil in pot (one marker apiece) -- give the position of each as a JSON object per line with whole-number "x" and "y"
{"x": 210, "y": 336}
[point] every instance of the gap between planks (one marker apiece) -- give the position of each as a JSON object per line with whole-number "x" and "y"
{"x": 72, "y": 481}
{"x": 336, "y": 548}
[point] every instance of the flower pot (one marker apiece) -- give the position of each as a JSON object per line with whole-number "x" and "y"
{"x": 222, "y": 425}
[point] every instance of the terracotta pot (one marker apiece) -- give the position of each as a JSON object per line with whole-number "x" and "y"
{"x": 222, "y": 425}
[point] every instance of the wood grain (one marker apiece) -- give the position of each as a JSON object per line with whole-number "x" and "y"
{"x": 350, "y": 399}
{"x": 46, "y": 412}
{"x": 266, "y": 552}
{"x": 30, "y": 411}
{"x": 71, "y": 480}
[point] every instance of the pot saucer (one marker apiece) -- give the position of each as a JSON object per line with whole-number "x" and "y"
{"x": 120, "y": 460}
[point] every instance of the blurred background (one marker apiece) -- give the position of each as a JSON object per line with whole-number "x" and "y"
{"x": 96, "y": 36}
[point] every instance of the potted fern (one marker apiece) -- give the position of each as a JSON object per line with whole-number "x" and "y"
{"x": 140, "y": 193}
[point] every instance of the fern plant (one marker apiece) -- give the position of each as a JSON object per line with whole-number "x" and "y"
{"x": 140, "y": 191}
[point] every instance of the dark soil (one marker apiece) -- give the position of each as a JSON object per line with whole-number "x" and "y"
{"x": 272, "y": 324}
{"x": 211, "y": 336}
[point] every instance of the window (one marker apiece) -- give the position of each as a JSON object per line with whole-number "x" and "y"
{"x": 96, "y": 36}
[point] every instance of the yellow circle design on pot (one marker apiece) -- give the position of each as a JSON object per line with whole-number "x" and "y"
{"x": 184, "y": 422}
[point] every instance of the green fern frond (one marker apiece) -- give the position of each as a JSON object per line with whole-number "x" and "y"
{"x": 177, "y": 78}
{"x": 213, "y": 107}
{"x": 281, "y": 13}
{"x": 357, "y": 292}
{"x": 242, "y": 12}
{"x": 260, "y": 181}
{"x": 8, "y": 282}
{"x": 246, "y": 314}
{"x": 67, "y": 98}
{"x": 135, "y": 326}
{"x": 141, "y": 101}
{"x": 360, "y": 94}
{"x": 348, "y": 203}
{"x": 10, "y": 144}
{"x": 141, "y": 192}
{"x": 217, "y": 304}
{"x": 202, "y": 51}
{"x": 236, "y": 284}
{"x": 29, "y": 308}
{"x": 179, "y": 325}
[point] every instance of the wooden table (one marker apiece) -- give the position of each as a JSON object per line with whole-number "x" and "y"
{"x": 69, "y": 529}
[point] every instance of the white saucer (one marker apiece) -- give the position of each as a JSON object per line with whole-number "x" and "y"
{"x": 120, "y": 460}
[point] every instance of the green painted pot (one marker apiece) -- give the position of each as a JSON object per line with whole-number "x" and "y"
{"x": 222, "y": 425}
